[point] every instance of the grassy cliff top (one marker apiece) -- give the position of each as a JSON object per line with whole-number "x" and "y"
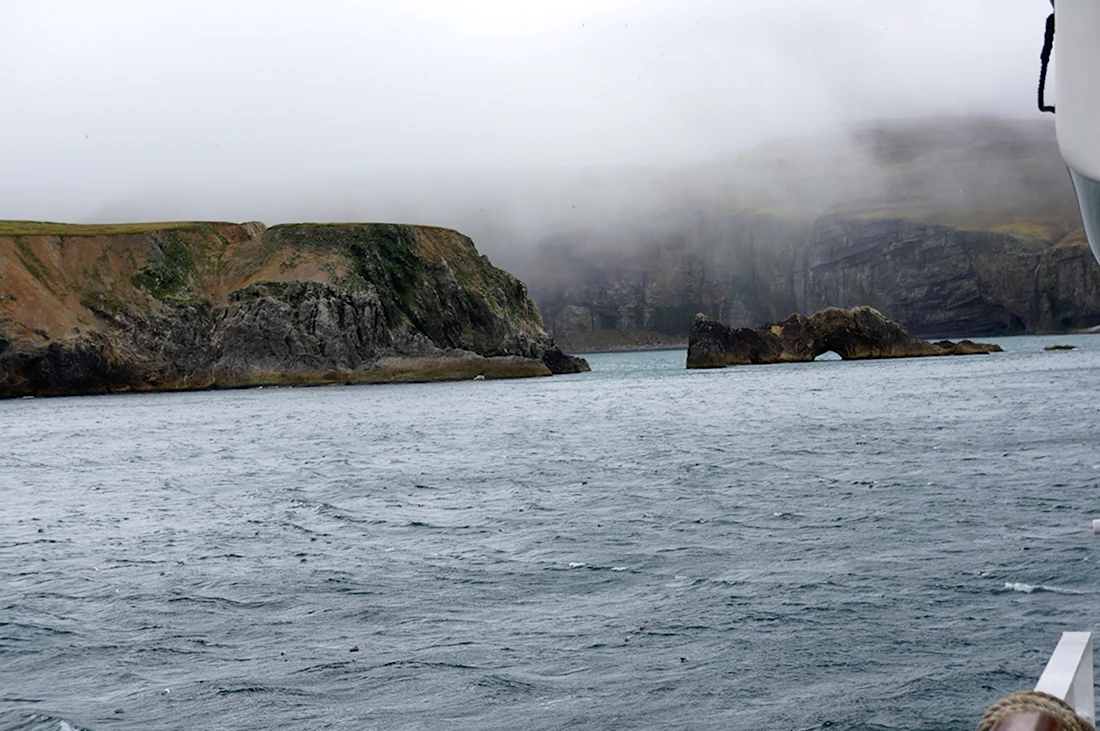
{"x": 351, "y": 224}
{"x": 1035, "y": 232}
{"x": 49, "y": 228}
{"x": 52, "y": 228}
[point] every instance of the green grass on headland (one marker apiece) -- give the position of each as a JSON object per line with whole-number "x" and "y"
{"x": 47, "y": 228}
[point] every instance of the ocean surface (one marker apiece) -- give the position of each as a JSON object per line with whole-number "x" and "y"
{"x": 829, "y": 545}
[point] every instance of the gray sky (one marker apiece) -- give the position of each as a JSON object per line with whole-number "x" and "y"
{"x": 229, "y": 110}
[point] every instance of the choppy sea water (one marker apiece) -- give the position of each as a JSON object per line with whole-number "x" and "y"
{"x": 846, "y": 545}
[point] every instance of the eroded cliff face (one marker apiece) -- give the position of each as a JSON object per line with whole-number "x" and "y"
{"x": 933, "y": 279}
{"x": 941, "y": 280}
{"x": 91, "y": 309}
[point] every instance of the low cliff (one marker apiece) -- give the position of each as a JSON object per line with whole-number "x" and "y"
{"x": 860, "y": 333}
{"x": 93, "y": 309}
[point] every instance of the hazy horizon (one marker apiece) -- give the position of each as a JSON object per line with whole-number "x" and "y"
{"x": 481, "y": 114}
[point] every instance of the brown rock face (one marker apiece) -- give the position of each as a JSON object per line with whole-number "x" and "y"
{"x": 860, "y": 333}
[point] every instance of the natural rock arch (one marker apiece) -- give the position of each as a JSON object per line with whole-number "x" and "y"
{"x": 856, "y": 334}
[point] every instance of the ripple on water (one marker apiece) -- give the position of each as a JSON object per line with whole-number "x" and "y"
{"x": 889, "y": 544}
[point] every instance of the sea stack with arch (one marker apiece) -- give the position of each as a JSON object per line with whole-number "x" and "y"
{"x": 860, "y": 333}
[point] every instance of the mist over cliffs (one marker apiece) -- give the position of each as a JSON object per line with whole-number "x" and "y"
{"x": 951, "y": 226}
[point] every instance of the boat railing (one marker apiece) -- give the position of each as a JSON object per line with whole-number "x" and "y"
{"x": 1068, "y": 674}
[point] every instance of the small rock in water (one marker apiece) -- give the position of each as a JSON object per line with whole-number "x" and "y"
{"x": 304, "y": 560}
{"x": 1060, "y": 347}
{"x": 355, "y": 648}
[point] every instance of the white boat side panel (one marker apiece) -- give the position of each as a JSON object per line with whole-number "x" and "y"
{"x": 1076, "y": 66}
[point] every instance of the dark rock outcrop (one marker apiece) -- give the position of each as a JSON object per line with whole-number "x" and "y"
{"x": 184, "y": 306}
{"x": 857, "y": 334}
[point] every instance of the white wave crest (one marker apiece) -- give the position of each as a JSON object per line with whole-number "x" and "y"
{"x": 1029, "y": 588}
